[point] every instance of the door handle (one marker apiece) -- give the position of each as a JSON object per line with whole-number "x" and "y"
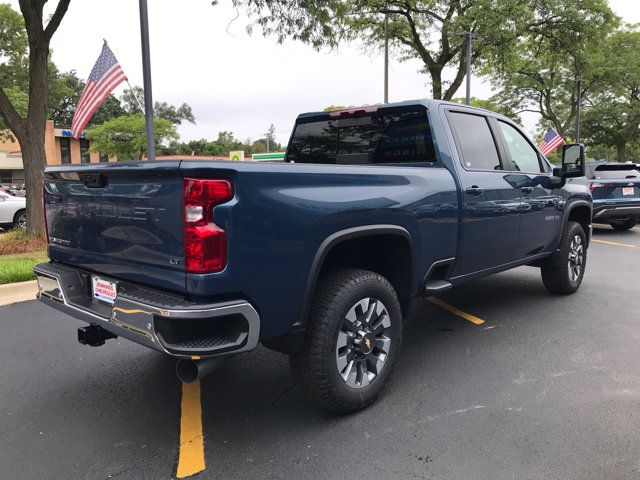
{"x": 475, "y": 191}
{"x": 526, "y": 189}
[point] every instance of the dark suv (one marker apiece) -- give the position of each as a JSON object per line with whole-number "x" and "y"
{"x": 616, "y": 193}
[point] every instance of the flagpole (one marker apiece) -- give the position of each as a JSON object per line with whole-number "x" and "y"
{"x": 133, "y": 92}
{"x": 146, "y": 72}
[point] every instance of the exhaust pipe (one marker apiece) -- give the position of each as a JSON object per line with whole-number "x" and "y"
{"x": 190, "y": 371}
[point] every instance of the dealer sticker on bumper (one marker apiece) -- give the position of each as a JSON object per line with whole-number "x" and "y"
{"x": 103, "y": 290}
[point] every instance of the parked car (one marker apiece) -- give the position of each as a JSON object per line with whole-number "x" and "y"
{"x": 319, "y": 257}
{"x": 616, "y": 193}
{"x": 13, "y": 211}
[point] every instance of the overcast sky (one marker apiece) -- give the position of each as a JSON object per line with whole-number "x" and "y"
{"x": 234, "y": 81}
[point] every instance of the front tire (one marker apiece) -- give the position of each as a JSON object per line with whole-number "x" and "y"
{"x": 353, "y": 337}
{"x": 624, "y": 224}
{"x": 562, "y": 273}
{"x": 20, "y": 219}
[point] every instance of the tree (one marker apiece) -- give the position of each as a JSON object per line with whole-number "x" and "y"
{"x": 176, "y": 115}
{"x": 270, "y": 138}
{"x": 225, "y": 143}
{"x": 125, "y": 137}
{"x": 65, "y": 92}
{"x": 539, "y": 74}
{"x": 493, "y": 106}
{"x": 20, "y": 101}
{"x": 613, "y": 120}
{"x": 29, "y": 129}
{"x": 426, "y": 30}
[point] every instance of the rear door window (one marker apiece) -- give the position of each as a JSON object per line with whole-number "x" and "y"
{"x": 475, "y": 142}
{"x": 394, "y": 137}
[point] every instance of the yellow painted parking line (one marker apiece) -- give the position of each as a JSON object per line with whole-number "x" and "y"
{"x": 614, "y": 243}
{"x": 455, "y": 311}
{"x": 191, "y": 459}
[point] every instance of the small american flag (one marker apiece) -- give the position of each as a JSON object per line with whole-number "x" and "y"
{"x": 105, "y": 76}
{"x": 550, "y": 142}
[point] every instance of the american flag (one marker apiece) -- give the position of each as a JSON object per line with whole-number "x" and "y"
{"x": 550, "y": 142}
{"x": 105, "y": 76}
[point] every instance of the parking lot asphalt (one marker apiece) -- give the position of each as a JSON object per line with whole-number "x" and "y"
{"x": 542, "y": 387}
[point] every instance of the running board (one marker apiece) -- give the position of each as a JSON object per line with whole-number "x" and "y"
{"x": 436, "y": 286}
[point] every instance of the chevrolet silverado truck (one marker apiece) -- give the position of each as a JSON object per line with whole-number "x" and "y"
{"x": 319, "y": 257}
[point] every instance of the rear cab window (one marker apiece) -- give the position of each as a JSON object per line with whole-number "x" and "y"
{"x": 387, "y": 137}
{"x": 602, "y": 173}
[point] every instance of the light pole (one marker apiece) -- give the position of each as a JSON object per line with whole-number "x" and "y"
{"x": 469, "y": 36}
{"x": 578, "y": 110}
{"x": 386, "y": 58}
{"x": 386, "y": 49}
{"x": 146, "y": 73}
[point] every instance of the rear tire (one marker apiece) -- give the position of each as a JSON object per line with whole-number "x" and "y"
{"x": 20, "y": 219}
{"x": 562, "y": 273}
{"x": 624, "y": 224}
{"x": 353, "y": 337}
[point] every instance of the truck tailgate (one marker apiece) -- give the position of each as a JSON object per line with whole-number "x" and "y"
{"x": 121, "y": 220}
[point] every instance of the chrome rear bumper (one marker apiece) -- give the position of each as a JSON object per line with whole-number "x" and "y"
{"x": 151, "y": 318}
{"x": 620, "y": 210}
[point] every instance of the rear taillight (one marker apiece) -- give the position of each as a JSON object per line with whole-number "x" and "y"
{"x": 44, "y": 214}
{"x": 205, "y": 243}
{"x": 594, "y": 185}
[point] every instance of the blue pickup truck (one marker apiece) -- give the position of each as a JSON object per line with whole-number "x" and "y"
{"x": 319, "y": 257}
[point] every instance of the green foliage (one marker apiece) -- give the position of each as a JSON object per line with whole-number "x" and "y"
{"x": 613, "y": 119}
{"x": 19, "y": 268}
{"x": 509, "y": 33}
{"x": 538, "y": 72}
{"x": 271, "y": 134}
{"x": 65, "y": 88}
{"x": 225, "y": 143}
{"x": 131, "y": 99}
{"x": 125, "y": 137}
{"x": 13, "y": 63}
{"x": 64, "y": 93}
{"x": 20, "y": 101}
{"x": 13, "y": 36}
{"x": 493, "y": 106}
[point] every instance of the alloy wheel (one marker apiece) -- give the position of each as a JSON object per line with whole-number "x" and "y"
{"x": 363, "y": 343}
{"x": 22, "y": 220}
{"x": 576, "y": 258}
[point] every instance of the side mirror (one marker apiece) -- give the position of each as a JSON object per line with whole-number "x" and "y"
{"x": 573, "y": 161}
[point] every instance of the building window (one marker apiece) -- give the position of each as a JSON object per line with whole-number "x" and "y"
{"x": 17, "y": 177}
{"x": 65, "y": 150}
{"x": 5, "y": 177}
{"x": 84, "y": 151}
{"x": 104, "y": 158}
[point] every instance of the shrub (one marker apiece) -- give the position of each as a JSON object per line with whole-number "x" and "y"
{"x": 17, "y": 241}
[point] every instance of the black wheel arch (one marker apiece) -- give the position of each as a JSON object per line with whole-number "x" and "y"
{"x": 292, "y": 341}
{"x": 580, "y": 211}
{"x": 337, "y": 238}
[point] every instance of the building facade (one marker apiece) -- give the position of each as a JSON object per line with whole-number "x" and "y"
{"x": 60, "y": 149}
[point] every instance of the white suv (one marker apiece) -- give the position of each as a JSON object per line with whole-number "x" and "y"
{"x": 13, "y": 211}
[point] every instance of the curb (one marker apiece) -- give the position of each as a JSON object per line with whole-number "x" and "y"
{"x": 18, "y": 292}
